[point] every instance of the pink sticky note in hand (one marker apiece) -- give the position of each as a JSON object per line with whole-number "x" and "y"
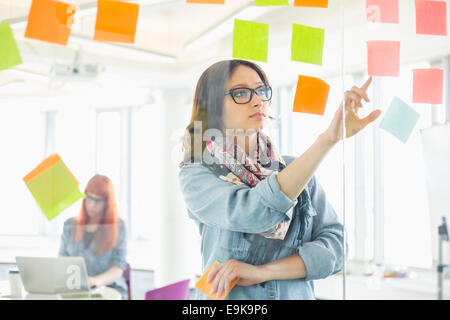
{"x": 385, "y": 11}
{"x": 431, "y": 17}
{"x": 383, "y": 58}
{"x": 428, "y": 85}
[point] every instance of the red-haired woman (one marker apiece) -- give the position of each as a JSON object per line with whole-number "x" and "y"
{"x": 98, "y": 235}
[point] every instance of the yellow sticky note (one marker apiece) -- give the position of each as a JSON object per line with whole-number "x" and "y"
{"x": 205, "y": 287}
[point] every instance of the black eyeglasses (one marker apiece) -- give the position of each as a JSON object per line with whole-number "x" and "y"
{"x": 245, "y": 95}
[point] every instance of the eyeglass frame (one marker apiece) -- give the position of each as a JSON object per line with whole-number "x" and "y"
{"x": 96, "y": 200}
{"x": 251, "y": 93}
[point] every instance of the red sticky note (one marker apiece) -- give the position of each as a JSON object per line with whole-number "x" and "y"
{"x": 431, "y": 17}
{"x": 311, "y": 95}
{"x": 383, "y": 58}
{"x": 205, "y": 287}
{"x": 384, "y": 11}
{"x": 311, "y": 3}
{"x": 50, "y": 21}
{"x": 428, "y": 85}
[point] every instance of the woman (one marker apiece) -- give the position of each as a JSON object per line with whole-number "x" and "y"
{"x": 264, "y": 217}
{"x": 98, "y": 235}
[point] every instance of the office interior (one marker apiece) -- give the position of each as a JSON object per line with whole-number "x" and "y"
{"x": 121, "y": 110}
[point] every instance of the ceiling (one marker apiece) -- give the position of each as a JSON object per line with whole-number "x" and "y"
{"x": 166, "y": 27}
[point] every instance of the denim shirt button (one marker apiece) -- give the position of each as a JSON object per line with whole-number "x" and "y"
{"x": 272, "y": 296}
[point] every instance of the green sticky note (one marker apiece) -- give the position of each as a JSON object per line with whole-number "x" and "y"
{"x": 271, "y": 2}
{"x": 9, "y": 52}
{"x": 400, "y": 120}
{"x": 250, "y": 40}
{"x": 55, "y": 190}
{"x": 307, "y": 44}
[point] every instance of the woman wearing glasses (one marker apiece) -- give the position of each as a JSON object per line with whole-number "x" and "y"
{"x": 98, "y": 235}
{"x": 263, "y": 217}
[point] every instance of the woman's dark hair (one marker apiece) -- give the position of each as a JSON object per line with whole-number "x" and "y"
{"x": 208, "y": 104}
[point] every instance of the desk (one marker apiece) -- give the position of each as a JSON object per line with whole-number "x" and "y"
{"x": 107, "y": 293}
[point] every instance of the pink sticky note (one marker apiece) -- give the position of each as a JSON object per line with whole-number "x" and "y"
{"x": 431, "y": 17}
{"x": 383, "y": 58}
{"x": 385, "y": 11}
{"x": 428, "y": 85}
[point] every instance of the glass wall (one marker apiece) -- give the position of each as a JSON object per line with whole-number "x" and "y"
{"x": 386, "y": 185}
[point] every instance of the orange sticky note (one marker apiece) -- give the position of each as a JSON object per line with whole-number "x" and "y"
{"x": 50, "y": 21}
{"x": 311, "y": 95}
{"x": 383, "y": 58}
{"x": 207, "y": 1}
{"x": 431, "y": 17}
{"x": 384, "y": 11}
{"x": 205, "y": 287}
{"x": 116, "y": 21}
{"x": 311, "y": 3}
{"x": 428, "y": 85}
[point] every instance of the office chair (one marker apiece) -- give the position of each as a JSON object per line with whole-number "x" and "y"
{"x": 127, "y": 275}
{"x": 175, "y": 291}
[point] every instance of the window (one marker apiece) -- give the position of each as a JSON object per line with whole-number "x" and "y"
{"x": 22, "y": 145}
{"x": 147, "y": 176}
{"x": 407, "y": 230}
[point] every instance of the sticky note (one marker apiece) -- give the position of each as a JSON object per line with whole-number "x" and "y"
{"x": 311, "y": 95}
{"x": 383, "y": 58}
{"x": 207, "y": 1}
{"x": 307, "y": 44}
{"x": 50, "y": 21}
{"x": 205, "y": 287}
{"x": 53, "y": 186}
{"x": 382, "y": 11}
{"x": 9, "y": 54}
{"x": 116, "y": 21}
{"x": 428, "y": 85}
{"x": 250, "y": 40}
{"x": 399, "y": 120}
{"x": 311, "y": 3}
{"x": 431, "y": 17}
{"x": 271, "y": 2}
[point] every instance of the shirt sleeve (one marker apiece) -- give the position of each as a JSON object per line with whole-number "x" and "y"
{"x": 119, "y": 254}
{"x": 323, "y": 255}
{"x": 215, "y": 202}
{"x": 65, "y": 239}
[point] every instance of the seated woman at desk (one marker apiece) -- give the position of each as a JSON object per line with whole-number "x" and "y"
{"x": 98, "y": 235}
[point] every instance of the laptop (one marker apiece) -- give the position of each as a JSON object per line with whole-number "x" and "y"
{"x": 63, "y": 276}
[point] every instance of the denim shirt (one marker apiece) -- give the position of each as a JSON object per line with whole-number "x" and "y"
{"x": 230, "y": 218}
{"x": 96, "y": 264}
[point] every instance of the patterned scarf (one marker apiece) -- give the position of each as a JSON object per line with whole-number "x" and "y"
{"x": 245, "y": 171}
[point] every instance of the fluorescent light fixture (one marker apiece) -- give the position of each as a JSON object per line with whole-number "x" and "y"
{"x": 224, "y": 27}
{"x": 121, "y": 50}
{"x": 87, "y": 9}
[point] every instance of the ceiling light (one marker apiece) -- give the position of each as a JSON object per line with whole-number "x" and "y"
{"x": 121, "y": 50}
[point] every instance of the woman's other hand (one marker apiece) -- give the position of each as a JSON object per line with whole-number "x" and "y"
{"x": 94, "y": 282}
{"x": 353, "y": 124}
{"x": 223, "y": 274}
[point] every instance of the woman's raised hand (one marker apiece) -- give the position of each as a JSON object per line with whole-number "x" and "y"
{"x": 353, "y": 124}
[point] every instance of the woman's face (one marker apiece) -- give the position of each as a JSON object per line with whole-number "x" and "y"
{"x": 248, "y": 116}
{"x": 95, "y": 205}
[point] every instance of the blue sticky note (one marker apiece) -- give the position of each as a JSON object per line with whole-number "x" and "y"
{"x": 400, "y": 119}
